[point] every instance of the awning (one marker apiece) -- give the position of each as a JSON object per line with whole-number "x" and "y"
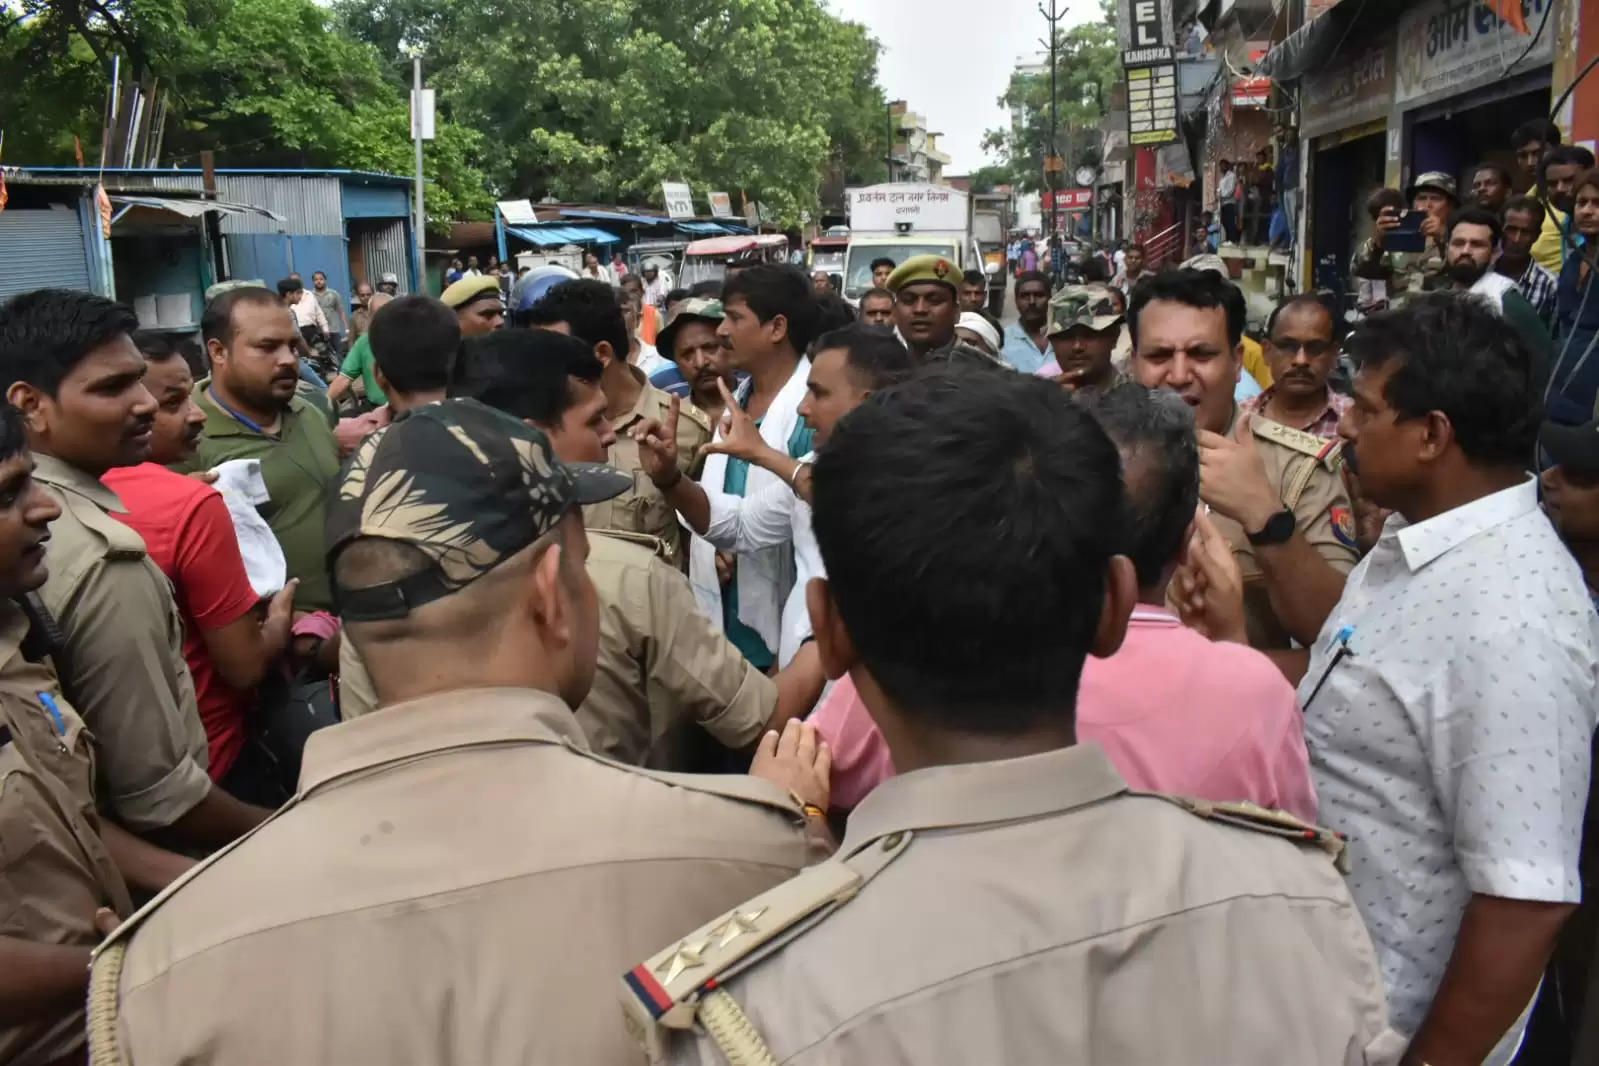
{"x": 191, "y": 208}
{"x": 614, "y": 216}
{"x": 1347, "y": 27}
{"x": 554, "y": 236}
{"x": 708, "y": 228}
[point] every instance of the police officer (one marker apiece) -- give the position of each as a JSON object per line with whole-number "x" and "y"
{"x": 73, "y": 371}
{"x": 588, "y": 310}
{"x": 925, "y": 289}
{"x": 666, "y": 673}
{"x": 477, "y": 304}
{"x": 1083, "y": 329}
{"x": 1274, "y": 492}
{"x": 459, "y": 872}
{"x": 1408, "y": 273}
{"x": 1009, "y": 899}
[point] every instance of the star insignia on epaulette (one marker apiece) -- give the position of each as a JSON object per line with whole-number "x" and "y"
{"x": 736, "y": 926}
{"x": 686, "y": 957}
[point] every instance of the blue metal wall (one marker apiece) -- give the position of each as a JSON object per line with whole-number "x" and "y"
{"x": 274, "y": 256}
{"x": 376, "y": 201}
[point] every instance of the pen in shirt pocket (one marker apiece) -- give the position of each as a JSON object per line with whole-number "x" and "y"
{"x": 49, "y": 702}
{"x": 1341, "y": 639}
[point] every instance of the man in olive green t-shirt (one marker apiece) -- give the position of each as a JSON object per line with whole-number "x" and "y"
{"x": 252, "y": 411}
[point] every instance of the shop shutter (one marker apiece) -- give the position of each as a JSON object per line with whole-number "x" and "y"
{"x": 41, "y": 249}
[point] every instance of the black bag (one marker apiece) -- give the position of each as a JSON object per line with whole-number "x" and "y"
{"x": 288, "y": 710}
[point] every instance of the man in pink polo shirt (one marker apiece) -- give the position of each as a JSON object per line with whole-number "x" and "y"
{"x": 1174, "y": 711}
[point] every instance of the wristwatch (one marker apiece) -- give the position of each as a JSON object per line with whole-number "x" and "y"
{"x": 1278, "y": 528}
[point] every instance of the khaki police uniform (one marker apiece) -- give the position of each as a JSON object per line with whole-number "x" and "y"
{"x": 1034, "y": 910}
{"x": 663, "y": 667}
{"x": 459, "y": 879}
{"x": 54, "y": 869}
{"x": 643, "y": 509}
{"x": 1304, "y": 469}
{"x": 122, "y": 658}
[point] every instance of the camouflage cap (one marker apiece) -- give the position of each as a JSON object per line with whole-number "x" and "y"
{"x": 938, "y": 269}
{"x": 1089, "y": 306}
{"x": 467, "y": 485}
{"x": 1438, "y": 181}
{"x": 699, "y": 309}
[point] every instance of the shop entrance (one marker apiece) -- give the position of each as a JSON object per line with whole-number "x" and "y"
{"x": 1344, "y": 173}
{"x": 1455, "y": 136}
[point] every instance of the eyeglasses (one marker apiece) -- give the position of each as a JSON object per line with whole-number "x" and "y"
{"x": 1313, "y": 349}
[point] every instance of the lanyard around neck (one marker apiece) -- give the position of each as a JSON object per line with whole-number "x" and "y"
{"x": 236, "y": 416}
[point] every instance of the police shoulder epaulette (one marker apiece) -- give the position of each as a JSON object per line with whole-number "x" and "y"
{"x": 695, "y": 415}
{"x": 668, "y": 990}
{"x": 655, "y": 545}
{"x": 741, "y": 787}
{"x": 684, "y": 981}
{"x": 1245, "y": 815}
{"x": 1297, "y": 439}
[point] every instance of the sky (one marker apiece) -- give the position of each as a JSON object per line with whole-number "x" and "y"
{"x": 951, "y": 60}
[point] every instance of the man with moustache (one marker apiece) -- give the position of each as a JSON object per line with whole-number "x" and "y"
{"x": 1025, "y": 347}
{"x": 925, "y": 289}
{"x": 1084, "y": 327}
{"x": 252, "y": 411}
{"x": 187, "y": 530}
{"x": 73, "y": 372}
{"x": 877, "y": 307}
{"x": 1473, "y": 241}
{"x": 1301, "y": 351}
{"x": 1274, "y": 491}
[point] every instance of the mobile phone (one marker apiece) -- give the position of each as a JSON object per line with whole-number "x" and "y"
{"x": 1408, "y": 237}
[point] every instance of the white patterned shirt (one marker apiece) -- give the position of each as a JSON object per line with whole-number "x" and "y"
{"x": 1452, "y": 742}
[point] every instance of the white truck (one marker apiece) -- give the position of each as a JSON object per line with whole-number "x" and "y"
{"x": 899, "y": 220}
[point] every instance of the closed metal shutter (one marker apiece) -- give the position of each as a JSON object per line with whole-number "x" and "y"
{"x": 41, "y": 250}
{"x": 388, "y": 250}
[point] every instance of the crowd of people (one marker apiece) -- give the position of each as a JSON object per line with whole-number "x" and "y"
{"x": 829, "y": 683}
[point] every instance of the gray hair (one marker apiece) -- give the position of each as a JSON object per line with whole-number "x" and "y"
{"x": 1153, "y": 429}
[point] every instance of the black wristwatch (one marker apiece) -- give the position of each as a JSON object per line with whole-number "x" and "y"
{"x": 1278, "y": 528}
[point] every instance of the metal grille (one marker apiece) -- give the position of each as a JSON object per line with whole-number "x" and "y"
{"x": 39, "y": 250}
{"x": 387, "y": 249}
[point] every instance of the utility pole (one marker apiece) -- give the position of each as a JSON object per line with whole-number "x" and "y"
{"x": 419, "y": 226}
{"x": 889, "y": 109}
{"x": 1052, "y": 163}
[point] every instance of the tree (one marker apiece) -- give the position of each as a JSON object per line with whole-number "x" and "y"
{"x": 603, "y": 99}
{"x": 1087, "y": 66}
{"x": 259, "y": 82}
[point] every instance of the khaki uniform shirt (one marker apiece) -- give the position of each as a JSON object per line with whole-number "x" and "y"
{"x": 642, "y": 509}
{"x": 1407, "y": 274}
{"x": 1304, "y": 469}
{"x": 123, "y": 660}
{"x": 663, "y": 667}
{"x": 459, "y": 880}
{"x": 54, "y": 869}
{"x": 1033, "y": 910}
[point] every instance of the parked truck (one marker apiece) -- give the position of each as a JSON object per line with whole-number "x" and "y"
{"x": 899, "y": 220}
{"x": 990, "y": 224}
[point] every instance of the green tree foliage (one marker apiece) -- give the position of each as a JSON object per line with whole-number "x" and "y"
{"x": 1087, "y": 65}
{"x": 603, "y": 99}
{"x": 260, "y": 82}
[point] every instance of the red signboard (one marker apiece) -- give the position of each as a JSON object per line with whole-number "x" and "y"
{"x": 1073, "y": 199}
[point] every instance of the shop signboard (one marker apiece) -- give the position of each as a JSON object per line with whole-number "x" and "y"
{"x": 721, "y": 205}
{"x": 1073, "y": 199}
{"x": 1447, "y": 47}
{"x": 1152, "y": 105}
{"x": 679, "y": 199}
{"x": 1144, "y": 30}
{"x": 1358, "y": 89}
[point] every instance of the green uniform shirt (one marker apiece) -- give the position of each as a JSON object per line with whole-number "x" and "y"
{"x": 359, "y": 363}
{"x": 299, "y": 464}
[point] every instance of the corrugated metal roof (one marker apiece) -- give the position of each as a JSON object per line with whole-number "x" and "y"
{"x": 311, "y": 205}
{"x": 616, "y": 216}
{"x": 690, "y": 226}
{"x": 552, "y": 236}
{"x": 365, "y": 175}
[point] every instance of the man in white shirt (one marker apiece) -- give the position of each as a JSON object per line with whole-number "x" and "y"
{"x": 1227, "y": 200}
{"x": 656, "y": 286}
{"x": 849, "y": 365}
{"x": 1449, "y": 699}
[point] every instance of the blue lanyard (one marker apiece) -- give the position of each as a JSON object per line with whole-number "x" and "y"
{"x": 245, "y": 422}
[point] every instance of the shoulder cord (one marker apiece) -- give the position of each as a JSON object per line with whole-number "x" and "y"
{"x": 729, "y": 1027}
{"x": 105, "y": 980}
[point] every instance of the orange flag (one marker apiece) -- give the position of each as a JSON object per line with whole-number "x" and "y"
{"x": 1510, "y": 11}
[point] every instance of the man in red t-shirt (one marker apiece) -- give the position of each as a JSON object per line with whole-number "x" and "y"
{"x": 186, "y": 527}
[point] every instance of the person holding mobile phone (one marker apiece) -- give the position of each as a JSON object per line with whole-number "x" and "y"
{"x": 1393, "y": 253}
